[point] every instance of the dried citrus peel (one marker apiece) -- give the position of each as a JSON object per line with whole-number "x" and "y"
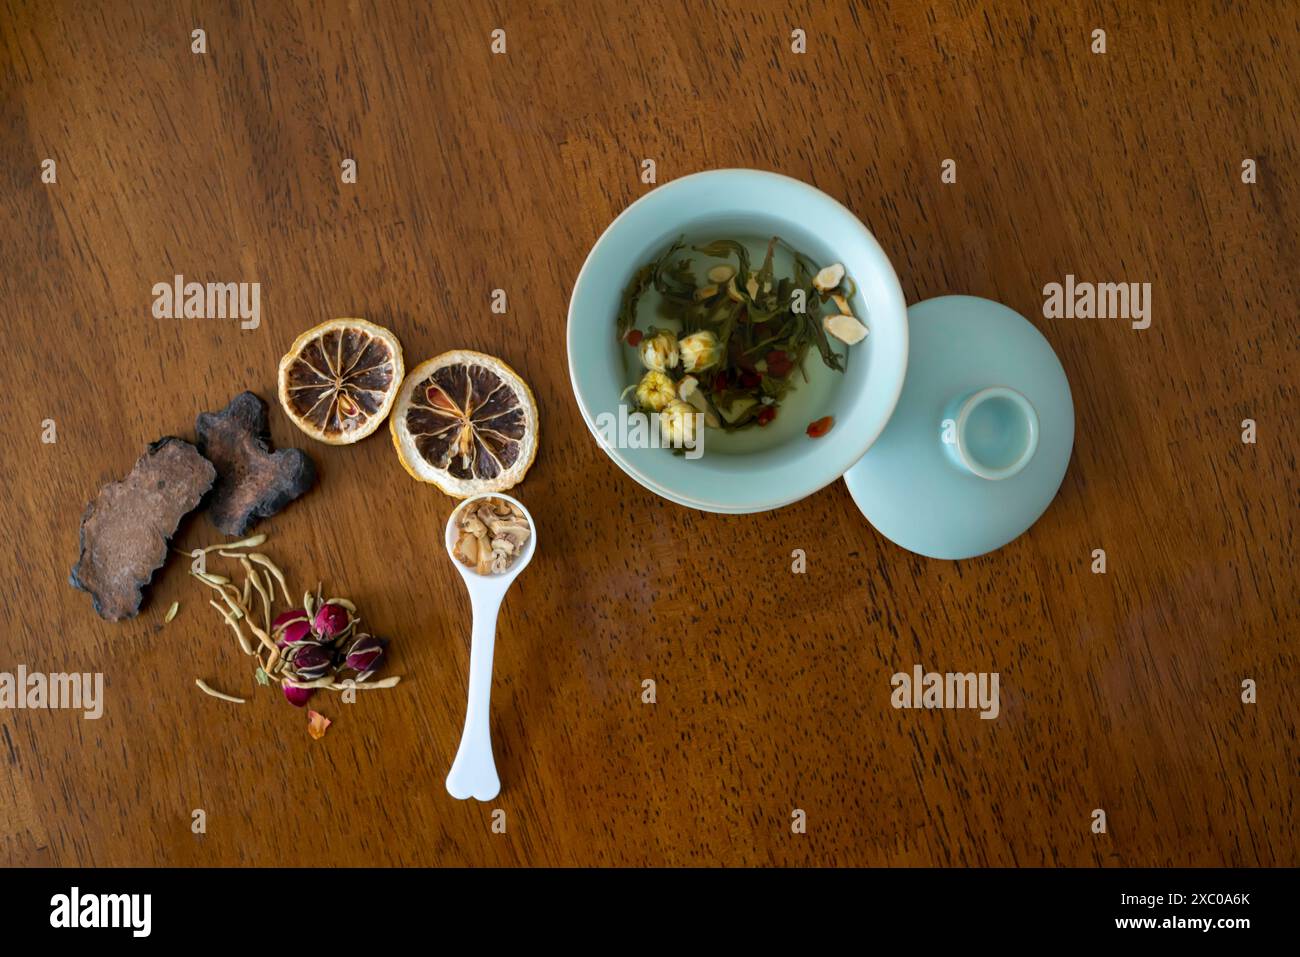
{"x": 338, "y": 380}
{"x": 466, "y": 422}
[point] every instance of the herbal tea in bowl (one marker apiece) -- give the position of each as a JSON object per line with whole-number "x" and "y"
{"x": 737, "y": 340}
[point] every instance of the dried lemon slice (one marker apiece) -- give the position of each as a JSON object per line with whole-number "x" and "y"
{"x": 465, "y": 422}
{"x": 338, "y": 380}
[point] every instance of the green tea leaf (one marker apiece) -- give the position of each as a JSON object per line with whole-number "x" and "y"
{"x": 748, "y": 330}
{"x": 765, "y": 273}
{"x": 802, "y": 263}
{"x": 722, "y": 248}
{"x": 669, "y": 280}
{"x": 631, "y": 297}
{"x": 829, "y": 356}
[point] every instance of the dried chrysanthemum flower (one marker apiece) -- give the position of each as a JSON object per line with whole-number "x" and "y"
{"x": 655, "y": 391}
{"x": 677, "y": 424}
{"x": 659, "y": 352}
{"x": 700, "y": 351}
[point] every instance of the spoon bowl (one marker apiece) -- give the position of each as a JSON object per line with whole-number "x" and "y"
{"x": 474, "y": 773}
{"x": 472, "y": 578}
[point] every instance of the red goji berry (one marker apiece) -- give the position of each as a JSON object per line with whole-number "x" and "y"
{"x": 634, "y": 337}
{"x": 766, "y": 414}
{"x": 778, "y": 363}
{"x": 819, "y": 428}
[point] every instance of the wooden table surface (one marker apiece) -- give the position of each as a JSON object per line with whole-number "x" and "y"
{"x": 1119, "y": 691}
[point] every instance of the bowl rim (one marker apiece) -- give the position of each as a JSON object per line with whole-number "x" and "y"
{"x": 867, "y": 440}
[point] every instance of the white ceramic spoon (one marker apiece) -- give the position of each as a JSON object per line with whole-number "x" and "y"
{"x": 474, "y": 772}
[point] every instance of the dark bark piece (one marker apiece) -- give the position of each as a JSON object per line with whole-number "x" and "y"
{"x": 126, "y": 527}
{"x": 252, "y": 481}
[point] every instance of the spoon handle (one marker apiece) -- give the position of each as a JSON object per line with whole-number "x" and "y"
{"x": 474, "y": 772}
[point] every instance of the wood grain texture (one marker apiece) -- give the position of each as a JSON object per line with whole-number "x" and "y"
{"x": 1119, "y": 691}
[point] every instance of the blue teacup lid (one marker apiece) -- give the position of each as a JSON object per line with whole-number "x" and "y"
{"x": 978, "y": 445}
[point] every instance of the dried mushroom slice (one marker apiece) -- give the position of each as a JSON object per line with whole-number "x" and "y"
{"x": 465, "y": 422}
{"x": 338, "y": 380}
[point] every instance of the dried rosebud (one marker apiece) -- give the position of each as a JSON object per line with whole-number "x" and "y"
{"x": 366, "y": 655}
{"x": 297, "y": 696}
{"x": 297, "y": 633}
{"x": 288, "y": 617}
{"x": 292, "y": 628}
{"x": 311, "y": 662}
{"x": 331, "y": 621}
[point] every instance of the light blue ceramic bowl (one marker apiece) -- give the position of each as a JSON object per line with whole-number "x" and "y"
{"x": 757, "y": 469}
